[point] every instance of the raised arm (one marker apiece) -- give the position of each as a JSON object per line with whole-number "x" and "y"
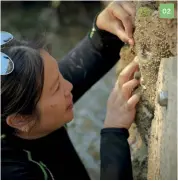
{"x": 98, "y": 52}
{"x": 121, "y": 109}
{"x": 90, "y": 60}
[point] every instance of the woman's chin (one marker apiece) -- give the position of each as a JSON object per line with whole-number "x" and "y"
{"x": 70, "y": 116}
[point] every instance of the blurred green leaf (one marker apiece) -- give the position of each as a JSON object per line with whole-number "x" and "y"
{"x": 55, "y": 4}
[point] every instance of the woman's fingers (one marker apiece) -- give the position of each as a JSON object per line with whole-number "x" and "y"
{"x": 114, "y": 93}
{"x": 123, "y": 14}
{"x": 120, "y": 31}
{"x": 118, "y": 19}
{"x": 130, "y": 8}
{"x": 127, "y": 73}
{"x": 132, "y": 102}
{"x": 128, "y": 88}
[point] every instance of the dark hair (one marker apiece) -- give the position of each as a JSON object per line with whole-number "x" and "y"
{"x": 21, "y": 90}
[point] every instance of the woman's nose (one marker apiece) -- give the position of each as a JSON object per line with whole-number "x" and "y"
{"x": 68, "y": 88}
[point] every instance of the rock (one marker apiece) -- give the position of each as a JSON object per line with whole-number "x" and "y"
{"x": 126, "y": 56}
{"x": 154, "y": 40}
{"x": 137, "y": 75}
{"x": 162, "y": 158}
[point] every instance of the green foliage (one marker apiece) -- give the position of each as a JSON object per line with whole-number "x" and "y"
{"x": 55, "y": 4}
{"x": 144, "y": 12}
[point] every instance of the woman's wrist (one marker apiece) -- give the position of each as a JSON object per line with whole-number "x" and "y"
{"x": 104, "y": 35}
{"x": 105, "y": 42}
{"x": 120, "y": 131}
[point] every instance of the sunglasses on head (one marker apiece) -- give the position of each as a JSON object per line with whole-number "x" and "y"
{"x": 7, "y": 65}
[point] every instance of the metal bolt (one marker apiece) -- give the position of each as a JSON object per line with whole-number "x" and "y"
{"x": 163, "y": 98}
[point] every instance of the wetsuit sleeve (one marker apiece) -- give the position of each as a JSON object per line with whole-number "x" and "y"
{"x": 115, "y": 155}
{"x": 93, "y": 57}
{"x": 15, "y": 170}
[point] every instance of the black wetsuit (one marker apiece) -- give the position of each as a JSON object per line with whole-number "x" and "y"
{"x": 53, "y": 156}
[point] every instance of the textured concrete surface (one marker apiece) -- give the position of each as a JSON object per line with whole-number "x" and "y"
{"x": 168, "y": 168}
{"x": 162, "y": 162}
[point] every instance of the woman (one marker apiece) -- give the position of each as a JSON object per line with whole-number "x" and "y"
{"x": 37, "y": 103}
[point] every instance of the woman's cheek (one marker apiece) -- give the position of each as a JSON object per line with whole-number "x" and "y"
{"x": 58, "y": 103}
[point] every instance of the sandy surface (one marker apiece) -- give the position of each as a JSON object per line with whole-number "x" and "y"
{"x": 155, "y": 39}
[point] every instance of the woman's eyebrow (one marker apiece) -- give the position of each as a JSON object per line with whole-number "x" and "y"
{"x": 54, "y": 83}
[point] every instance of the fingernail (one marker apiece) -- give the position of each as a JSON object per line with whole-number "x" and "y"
{"x": 131, "y": 42}
{"x": 136, "y": 59}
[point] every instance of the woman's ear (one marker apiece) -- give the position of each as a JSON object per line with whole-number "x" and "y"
{"x": 18, "y": 122}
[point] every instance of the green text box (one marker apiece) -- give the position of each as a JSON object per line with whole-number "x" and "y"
{"x": 166, "y": 10}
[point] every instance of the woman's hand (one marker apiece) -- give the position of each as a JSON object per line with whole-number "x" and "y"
{"x": 121, "y": 103}
{"x": 118, "y": 19}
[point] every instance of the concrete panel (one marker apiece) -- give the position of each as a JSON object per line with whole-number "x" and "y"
{"x": 162, "y": 158}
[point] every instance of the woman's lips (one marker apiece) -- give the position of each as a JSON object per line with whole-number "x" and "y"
{"x": 70, "y": 106}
